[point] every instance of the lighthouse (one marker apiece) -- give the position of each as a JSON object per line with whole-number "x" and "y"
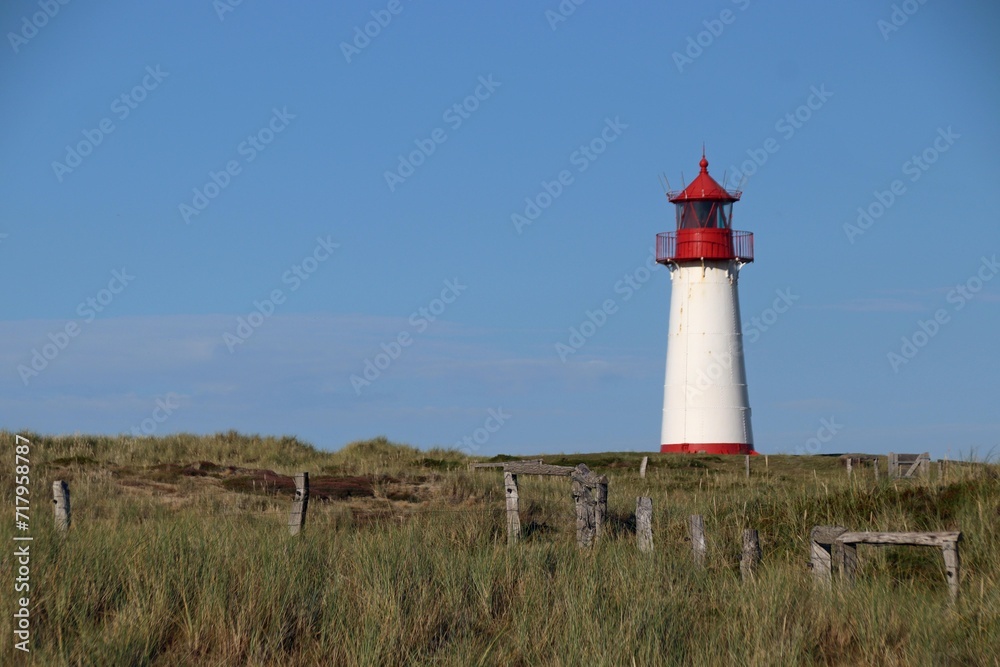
{"x": 706, "y": 406}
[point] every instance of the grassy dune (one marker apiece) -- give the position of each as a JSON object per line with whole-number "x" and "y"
{"x": 179, "y": 554}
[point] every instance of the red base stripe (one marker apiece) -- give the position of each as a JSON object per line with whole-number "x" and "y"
{"x": 710, "y": 448}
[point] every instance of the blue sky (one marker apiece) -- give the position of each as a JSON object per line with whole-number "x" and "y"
{"x": 168, "y": 168}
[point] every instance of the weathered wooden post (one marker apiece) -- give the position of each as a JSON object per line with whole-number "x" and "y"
{"x": 513, "y": 516}
{"x": 590, "y": 494}
{"x": 951, "y": 565}
{"x": 642, "y": 467}
{"x": 875, "y": 468}
{"x": 846, "y": 556}
{"x": 849, "y": 464}
{"x": 751, "y": 554}
{"x": 644, "y": 524}
{"x": 696, "y": 527}
{"x": 925, "y": 465}
{"x": 60, "y": 500}
{"x": 892, "y": 465}
{"x": 297, "y": 516}
{"x": 748, "y": 465}
{"x": 601, "y": 510}
{"x": 821, "y": 541}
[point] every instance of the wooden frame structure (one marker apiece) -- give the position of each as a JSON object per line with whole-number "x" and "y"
{"x": 835, "y": 545}
{"x": 905, "y": 466}
{"x": 590, "y": 495}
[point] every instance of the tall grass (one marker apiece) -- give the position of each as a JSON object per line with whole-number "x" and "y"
{"x": 141, "y": 579}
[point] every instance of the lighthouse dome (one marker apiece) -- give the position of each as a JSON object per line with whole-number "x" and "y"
{"x": 704, "y": 187}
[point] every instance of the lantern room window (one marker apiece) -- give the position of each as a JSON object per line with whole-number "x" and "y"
{"x": 704, "y": 214}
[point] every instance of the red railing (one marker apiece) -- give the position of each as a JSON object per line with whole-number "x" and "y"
{"x": 694, "y": 244}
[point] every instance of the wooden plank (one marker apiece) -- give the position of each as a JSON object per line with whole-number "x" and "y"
{"x": 642, "y": 467}
{"x": 751, "y": 554}
{"x": 476, "y": 466}
{"x": 933, "y": 539}
{"x": 297, "y": 515}
{"x": 513, "y": 515}
{"x": 644, "y": 524}
{"x": 537, "y": 468}
{"x": 60, "y": 499}
{"x": 951, "y": 567}
{"x": 696, "y": 528}
{"x": 891, "y": 463}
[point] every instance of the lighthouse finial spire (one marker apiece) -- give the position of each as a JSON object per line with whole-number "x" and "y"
{"x": 704, "y": 162}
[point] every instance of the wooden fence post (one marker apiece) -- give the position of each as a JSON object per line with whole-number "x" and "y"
{"x": 875, "y": 468}
{"x": 849, "y": 468}
{"x": 821, "y": 540}
{"x": 748, "y": 466}
{"x": 644, "y": 524}
{"x": 891, "y": 465}
{"x": 60, "y": 499}
{"x": 297, "y": 516}
{"x": 513, "y": 517}
{"x": 751, "y": 554}
{"x": 951, "y": 565}
{"x": 590, "y": 494}
{"x": 601, "y": 509}
{"x": 642, "y": 467}
{"x": 696, "y": 527}
{"x": 846, "y": 556}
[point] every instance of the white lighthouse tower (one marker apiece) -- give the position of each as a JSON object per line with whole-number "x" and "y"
{"x": 706, "y": 407}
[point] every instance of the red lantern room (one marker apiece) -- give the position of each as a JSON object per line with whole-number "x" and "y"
{"x": 704, "y": 224}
